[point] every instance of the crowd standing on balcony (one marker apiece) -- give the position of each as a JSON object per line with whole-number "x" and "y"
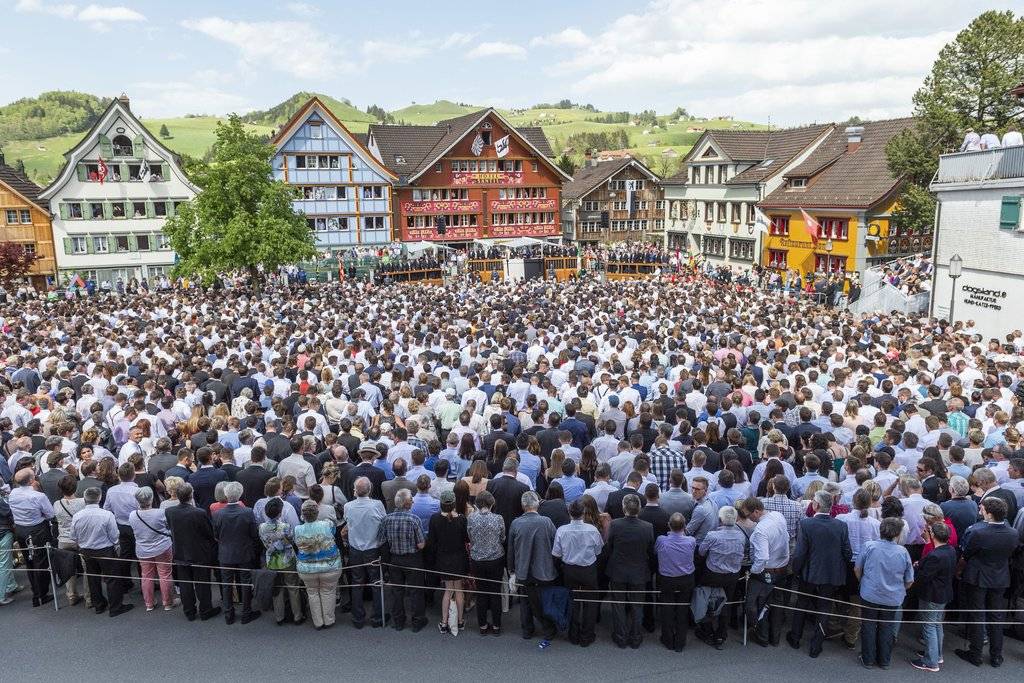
{"x": 973, "y": 142}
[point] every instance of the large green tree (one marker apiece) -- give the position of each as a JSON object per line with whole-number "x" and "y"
{"x": 968, "y": 87}
{"x": 241, "y": 219}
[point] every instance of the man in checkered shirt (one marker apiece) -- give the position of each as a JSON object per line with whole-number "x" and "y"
{"x": 780, "y": 502}
{"x": 664, "y": 459}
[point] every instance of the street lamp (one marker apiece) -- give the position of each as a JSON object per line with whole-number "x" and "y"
{"x": 956, "y": 267}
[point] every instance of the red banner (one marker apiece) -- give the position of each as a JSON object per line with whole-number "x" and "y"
{"x": 461, "y": 233}
{"x": 443, "y": 206}
{"x": 524, "y": 205}
{"x": 487, "y": 178}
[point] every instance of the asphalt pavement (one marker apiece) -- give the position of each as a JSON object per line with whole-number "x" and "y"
{"x": 75, "y": 643}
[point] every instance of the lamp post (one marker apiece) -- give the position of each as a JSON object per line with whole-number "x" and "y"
{"x": 956, "y": 267}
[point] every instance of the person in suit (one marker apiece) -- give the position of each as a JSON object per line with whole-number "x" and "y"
{"x": 367, "y": 454}
{"x": 195, "y": 550}
{"x": 614, "y": 504}
{"x": 986, "y": 486}
{"x": 630, "y": 553}
{"x": 508, "y": 492}
{"x": 217, "y": 387}
{"x": 496, "y": 433}
{"x": 653, "y": 512}
{"x": 390, "y": 488}
{"x": 204, "y": 480}
{"x": 987, "y": 549}
{"x": 237, "y": 537}
{"x": 549, "y": 439}
{"x": 933, "y": 487}
{"x": 820, "y": 562}
{"x": 254, "y": 476}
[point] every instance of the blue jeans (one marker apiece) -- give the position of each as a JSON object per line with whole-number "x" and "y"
{"x": 7, "y": 582}
{"x": 931, "y": 632}
{"x": 878, "y": 632}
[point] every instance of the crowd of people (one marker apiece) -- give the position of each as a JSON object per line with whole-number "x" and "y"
{"x": 975, "y": 142}
{"x": 684, "y": 456}
{"x": 910, "y": 275}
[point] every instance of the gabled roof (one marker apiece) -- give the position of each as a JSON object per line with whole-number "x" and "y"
{"x": 75, "y": 154}
{"x": 21, "y": 186}
{"x": 422, "y": 146}
{"x": 859, "y": 178}
{"x": 316, "y": 104}
{"x": 589, "y": 177}
{"x": 756, "y": 147}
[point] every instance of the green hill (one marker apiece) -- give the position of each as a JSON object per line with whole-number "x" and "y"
{"x": 39, "y": 130}
{"x": 56, "y": 112}
{"x": 429, "y": 114}
{"x": 280, "y": 113}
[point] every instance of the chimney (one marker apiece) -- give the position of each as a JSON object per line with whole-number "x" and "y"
{"x": 123, "y": 99}
{"x": 854, "y": 135}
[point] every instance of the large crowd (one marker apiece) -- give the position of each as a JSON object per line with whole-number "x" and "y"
{"x": 680, "y": 455}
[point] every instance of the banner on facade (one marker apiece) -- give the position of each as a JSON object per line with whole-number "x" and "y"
{"x": 478, "y": 145}
{"x": 501, "y": 147}
{"x": 443, "y": 206}
{"x": 524, "y": 205}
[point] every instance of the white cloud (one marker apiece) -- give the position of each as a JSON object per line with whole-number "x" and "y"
{"x": 736, "y": 56}
{"x": 293, "y": 47}
{"x": 65, "y": 11}
{"x": 158, "y": 100}
{"x": 303, "y": 9}
{"x": 571, "y": 37}
{"x": 456, "y": 39}
{"x": 497, "y": 49}
{"x": 98, "y": 14}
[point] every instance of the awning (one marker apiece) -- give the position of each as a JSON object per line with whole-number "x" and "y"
{"x": 415, "y": 248}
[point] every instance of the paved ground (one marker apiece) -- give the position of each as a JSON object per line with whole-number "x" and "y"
{"x": 43, "y": 645}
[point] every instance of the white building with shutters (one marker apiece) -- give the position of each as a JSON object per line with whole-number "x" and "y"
{"x": 112, "y": 229}
{"x": 980, "y": 218}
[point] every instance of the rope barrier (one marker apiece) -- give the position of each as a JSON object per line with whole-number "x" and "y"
{"x": 857, "y": 604}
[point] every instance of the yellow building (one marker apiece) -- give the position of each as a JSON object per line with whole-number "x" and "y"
{"x": 846, "y": 187}
{"x": 26, "y": 222}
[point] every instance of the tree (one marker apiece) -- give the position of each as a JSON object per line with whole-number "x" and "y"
{"x": 19, "y": 166}
{"x": 242, "y": 219}
{"x": 566, "y": 163}
{"x": 968, "y": 87}
{"x": 164, "y": 132}
{"x": 15, "y": 262}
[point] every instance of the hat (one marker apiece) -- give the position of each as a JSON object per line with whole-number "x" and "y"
{"x": 447, "y": 496}
{"x": 368, "y": 447}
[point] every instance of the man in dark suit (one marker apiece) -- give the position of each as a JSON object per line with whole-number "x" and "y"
{"x": 987, "y": 549}
{"x": 933, "y": 487}
{"x": 195, "y": 550}
{"x": 496, "y": 434}
{"x": 820, "y": 561}
{"x": 986, "y": 486}
{"x": 247, "y": 381}
{"x": 366, "y": 469}
{"x": 653, "y": 512}
{"x": 204, "y": 480}
{"x": 253, "y": 477}
{"x": 801, "y": 434}
{"x": 630, "y": 553}
{"x": 278, "y": 446}
{"x": 549, "y": 438}
{"x": 237, "y": 539}
{"x": 508, "y": 492}
{"x": 217, "y": 387}
{"x": 613, "y": 506}
{"x": 346, "y": 439}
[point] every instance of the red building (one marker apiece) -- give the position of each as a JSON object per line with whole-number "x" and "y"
{"x": 471, "y": 177}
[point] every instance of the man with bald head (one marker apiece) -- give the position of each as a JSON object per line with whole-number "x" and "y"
{"x": 32, "y": 512}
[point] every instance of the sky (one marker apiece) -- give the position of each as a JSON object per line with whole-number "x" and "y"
{"x": 779, "y": 61}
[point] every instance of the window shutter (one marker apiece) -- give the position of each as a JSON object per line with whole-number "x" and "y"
{"x": 133, "y": 244}
{"x": 1009, "y": 213}
{"x": 106, "y": 149}
{"x": 138, "y": 149}
{"x": 169, "y": 208}
{"x": 108, "y": 210}
{"x": 82, "y": 172}
{"x": 90, "y": 247}
{"x": 165, "y": 171}
{"x": 65, "y": 213}
{"x": 125, "y": 177}
{"x": 150, "y": 212}
{"x": 67, "y": 245}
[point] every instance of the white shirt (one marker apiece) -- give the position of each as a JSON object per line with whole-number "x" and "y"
{"x": 1012, "y": 138}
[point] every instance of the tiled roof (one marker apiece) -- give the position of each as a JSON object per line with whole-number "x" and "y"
{"x": 421, "y": 146}
{"x": 756, "y": 146}
{"x": 588, "y": 177}
{"x": 838, "y": 178}
{"x": 20, "y": 184}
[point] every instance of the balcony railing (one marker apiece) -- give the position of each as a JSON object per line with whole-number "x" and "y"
{"x": 973, "y": 167}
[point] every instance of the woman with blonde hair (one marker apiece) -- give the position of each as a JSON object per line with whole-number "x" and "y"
{"x": 191, "y": 426}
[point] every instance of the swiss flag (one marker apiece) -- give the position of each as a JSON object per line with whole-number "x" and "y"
{"x": 813, "y": 226}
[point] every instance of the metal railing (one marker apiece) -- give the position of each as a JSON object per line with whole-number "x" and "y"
{"x": 989, "y": 164}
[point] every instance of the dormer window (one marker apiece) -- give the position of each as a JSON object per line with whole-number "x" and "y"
{"x": 316, "y": 131}
{"x": 485, "y": 135}
{"x": 122, "y": 146}
{"x": 797, "y": 182}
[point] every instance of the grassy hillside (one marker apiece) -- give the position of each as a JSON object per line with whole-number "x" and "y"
{"x": 429, "y": 114}
{"x": 660, "y": 145}
{"x": 52, "y": 113}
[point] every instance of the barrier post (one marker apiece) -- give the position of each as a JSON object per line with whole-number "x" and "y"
{"x": 383, "y": 613}
{"x": 53, "y": 581}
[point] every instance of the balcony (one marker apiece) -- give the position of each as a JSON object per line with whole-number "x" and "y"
{"x": 989, "y": 165}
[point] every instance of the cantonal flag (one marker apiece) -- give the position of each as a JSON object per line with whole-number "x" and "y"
{"x": 813, "y": 227}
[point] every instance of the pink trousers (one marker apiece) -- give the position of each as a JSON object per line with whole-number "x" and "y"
{"x": 158, "y": 565}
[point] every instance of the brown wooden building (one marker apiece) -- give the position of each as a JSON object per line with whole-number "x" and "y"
{"x": 471, "y": 177}
{"x": 614, "y": 201}
{"x": 24, "y": 220}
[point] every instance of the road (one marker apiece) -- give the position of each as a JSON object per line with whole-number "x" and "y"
{"x": 44, "y": 645}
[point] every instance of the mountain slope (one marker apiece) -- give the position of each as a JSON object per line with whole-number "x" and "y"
{"x": 56, "y": 112}
{"x": 280, "y": 113}
{"x": 429, "y": 114}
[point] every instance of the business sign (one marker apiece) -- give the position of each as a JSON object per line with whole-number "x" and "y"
{"x": 524, "y": 204}
{"x": 443, "y": 206}
{"x": 453, "y": 233}
{"x": 533, "y": 230}
{"x": 983, "y": 298}
{"x": 796, "y": 244}
{"x": 487, "y": 178}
